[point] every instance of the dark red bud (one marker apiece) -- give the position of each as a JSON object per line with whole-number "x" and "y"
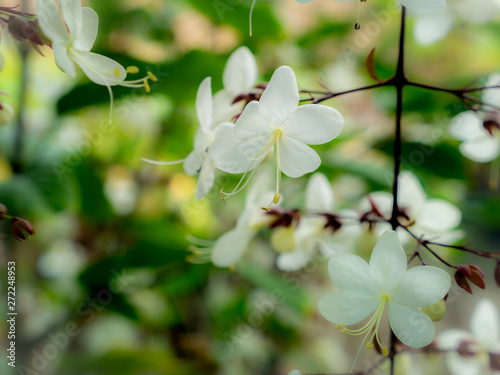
{"x": 462, "y": 281}
{"x": 491, "y": 125}
{"x": 283, "y": 218}
{"x": 464, "y": 270}
{"x": 497, "y": 274}
{"x": 495, "y": 361}
{"x": 464, "y": 349}
{"x": 332, "y": 222}
{"x": 21, "y": 229}
{"x": 477, "y": 276}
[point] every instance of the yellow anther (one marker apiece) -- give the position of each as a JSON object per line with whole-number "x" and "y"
{"x": 222, "y": 195}
{"x": 146, "y": 86}
{"x": 276, "y": 198}
{"x": 152, "y": 76}
{"x": 339, "y": 326}
{"x": 132, "y": 69}
{"x": 385, "y": 352}
{"x": 267, "y": 209}
{"x": 369, "y": 345}
{"x": 117, "y": 73}
{"x": 342, "y": 330}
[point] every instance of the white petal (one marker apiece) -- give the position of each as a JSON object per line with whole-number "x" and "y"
{"x": 459, "y": 365}
{"x": 204, "y": 104}
{"x": 319, "y": 193}
{"x": 481, "y": 151}
{"x": 232, "y": 155}
{"x": 411, "y": 193}
{"x": 281, "y": 97}
{"x": 467, "y": 126}
{"x": 410, "y": 325}
{"x": 224, "y": 110}
{"x": 314, "y": 124}
{"x": 206, "y": 178}
{"x": 87, "y": 37}
{"x": 424, "y": 6}
{"x": 51, "y": 21}
{"x": 388, "y": 262}
{"x": 240, "y": 73}
{"x": 382, "y": 200}
{"x": 422, "y": 286}
{"x": 194, "y": 161}
{"x": 438, "y": 216}
{"x": 63, "y": 61}
{"x": 100, "y": 69}
{"x": 296, "y": 158}
{"x": 72, "y": 13}
{"x": 485, "y": 324}
{"x": 451, "y": 338}
{"x": 252, "y": 124}
{"x": 350, "y": 273}
{"x": 346, "y": 308}
{"x": 292, "y": 261}
{"x": 470, "y": 12}
{"x": 230, "y": 247}
{"x": 431, "y": 28}
{"x": 492, "y": 96}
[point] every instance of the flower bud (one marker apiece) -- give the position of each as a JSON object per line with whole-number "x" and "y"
{"x": 469, "y": 272}
{"x": 283, "y": 239}
{"x": 6, "y": 113}
{"x": 21, "y": 229}
{"x": 436, "y": 311}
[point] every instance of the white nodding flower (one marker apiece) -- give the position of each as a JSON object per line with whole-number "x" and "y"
{"x": 276, "y": 123}
{"x": 431, "y": 28}
{"x": 310, "y": 235}
{"x": 199, "y": 160}
{"x": 239, "y": 78}
{"x": 73, "y": 31}
{"x": 480, "y": 143}
{"x": 368, "y": 289}
{"x": 432, "y": 217}
{"x": 231, "y": 246}
{"x": 470, "y": 352}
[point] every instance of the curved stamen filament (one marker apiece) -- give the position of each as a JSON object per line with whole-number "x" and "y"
{"x": 173, "y": 162}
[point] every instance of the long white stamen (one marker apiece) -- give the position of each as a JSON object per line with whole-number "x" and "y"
{"x": 251, "y": 13}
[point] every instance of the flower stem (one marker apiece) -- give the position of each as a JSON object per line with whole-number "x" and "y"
{"x": 19, "y": 131}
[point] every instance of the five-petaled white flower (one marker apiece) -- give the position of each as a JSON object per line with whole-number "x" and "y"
{"x": 199, "y": 160}
{"x": 431, "y": 28}
{"x": 276, "y": 122}
{"x": 432, "y": 217}
{"x": 480, "y": 141}
{"x": 471, "y": 351}
{"x": 73, "y": 34}
{"x": 367, "y": 289}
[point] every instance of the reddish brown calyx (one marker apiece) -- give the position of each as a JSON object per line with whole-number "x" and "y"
{"x": 472, "y": 273}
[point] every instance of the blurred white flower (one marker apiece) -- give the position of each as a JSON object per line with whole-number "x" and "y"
{"x": 310, "y": 235}
{"x": 199, "y": 160}
{"x": 276, "y": 122}
{"x": 239, "y": 78}
{"x": 480, "y": 143}
{"x": 229, "y": 247}
{"x": 471, "y": 351}
{"x": 433, "y": 217}
{"x": 73, "y": 31}
{"x": 431, "y": 28}
{"x": 367, "y": 289}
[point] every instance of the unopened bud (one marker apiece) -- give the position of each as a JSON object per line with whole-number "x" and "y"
{"x": 436, "y": 311}
{"x": 3, "y": 211}
{"x": 21, "y": 229}
{"x": 469, "y": 272}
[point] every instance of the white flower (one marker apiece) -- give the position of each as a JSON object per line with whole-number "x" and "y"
{"x": 229, "y": 247}
{"x": 477, "y": 345}
{"x": 73, "y": 34}
{"x": 199, "y": 160}
{"x": 433, "y": 217}
{"x": 424, "y": 6}
{"x": 386, "y": 282}
{"x": 431, "y": 28}
{"x": 478, "y": 144}
{"x": 310, "y": 235}
{"x": 276, "y": 122}
{"x": 239, "y": 77}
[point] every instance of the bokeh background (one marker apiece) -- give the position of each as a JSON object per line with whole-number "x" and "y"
{"x": 104, "y": 286}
